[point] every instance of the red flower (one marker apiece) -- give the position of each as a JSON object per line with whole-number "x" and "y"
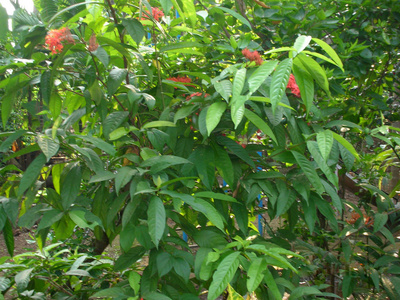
{"x": 93, "y": 45}
{"x": 369, "y": 221}
{"x": 198, "y": 94}
{"x": 181, "y": 79}
{"x": 55, "y": 37}
{"x": 292, "y": 85}
{"x": 252, "y": 56}
{"x": 156, "y": 13}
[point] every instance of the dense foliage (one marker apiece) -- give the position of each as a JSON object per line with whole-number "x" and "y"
{"x": 171, "y": 126}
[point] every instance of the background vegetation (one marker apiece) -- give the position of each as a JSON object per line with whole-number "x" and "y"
{"x": 164, "y": 124}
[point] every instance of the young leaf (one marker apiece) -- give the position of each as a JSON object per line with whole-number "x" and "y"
{"x": 214, "y": 114}
{"x": 261, "y": 74}
{"x": 156, "y": 219}
{"x": 279, "y": 82}
{"x": 325, "y": 142}
{"x": 238, "y": 82}
{"x": 301, "y": 43}
{"x": 223, "y": 275}
{"x": 328, "y": 49}
{"x": 31, "y": 174}
{"x": 260, "y": 123}
{"x": 256, "y": 273}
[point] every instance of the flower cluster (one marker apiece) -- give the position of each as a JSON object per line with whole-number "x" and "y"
{"x": 155, "y": 12}
{"x": 181, "y": 79}
{"x": 292, "y": 85}
{"x": 198, "y": 94}
{"x": 93, "y": 45}
{"x": 252, "y": 56}
{"x": 55, "y": 37}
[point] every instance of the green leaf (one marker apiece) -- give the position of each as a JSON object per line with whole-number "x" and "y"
{"x": 223, "y": 275}
{"x": 204, "y": 162}
{"x": 279, "y": 82}
{"x": 223, "y": 164}
{"x": 237, "y": 110}
{"x": 4, "y": 25}
{"x": 158, "y": 124}
{"x": 256, "y": 273}
{"x": 270, "y": 281}
{"x": 214, "y": 114}
{"x": 117, "y": 46}
{"x": 161, "y": 162}
{"x": 7, "y": 102}
{"x": 31, "y": 174}
{"x": 155, "y": 296}
{"x": 135, "y": 29}
{"x": 102, "y": 55}
{"x": 322, "y": 164}
{"x": 127, "y": 259}
{"x": 49, "y": 218}
{"x": 238, "y": 83}
{"x": 22, "y": 279}
{"x": 315, "y": 70}
{"x": 388, "y": 235}
{"x": 309, "y": 170}
{"x": 134, "y": 281}
{"x": 236, "y": 149}
{"x": 156, "y": 219}
{"x": 306, "y": 85}
{"x": 115, "y": 79}
{"x": 301, "y": 43}
{"x": 70, "y": 187}
{"x": 99, "y": 143}
{"x": 190, "y": 11}
{"x": 8, "y": 236}
{"x": 165, "y": 263}
{"x": 113, "y": 292}
{"x": 328, "y": 49}
{"x": 379, "y": 221}
{"x": 260, "y": 123}
{"x": 6, "y": 144}
{"x": 336, "y": 201}
{"x": 46, "y": 85}
{"x": 214, "y": 195}
{"x": 113, "y": 121}
{"x": 180, "y": 45}
{"x": 346, "y": 145}
{"x": 224, "y": 88}
{"x": 234, "y": 14}
{"x": 232, "y": 294}
{"x": 261, "y": 74}
{"x": 301, "y": 291}
{"x": 325, "y": 142}
{"x": 48, "y": 146}
{"x": 123, "y": 176}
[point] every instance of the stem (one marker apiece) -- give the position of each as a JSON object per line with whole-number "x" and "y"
{"x": 55, "y": 284}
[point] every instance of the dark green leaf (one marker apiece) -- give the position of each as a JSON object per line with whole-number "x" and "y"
{"x": 135, "y": 29}
{"x": 115, "y": 79}
{"x": 279, "y": 82}
{"x": 156, "y": 219}
{"x": 128, "y": 258}
{"x": 31, "y": 174}
{"x": 70, "y": 187}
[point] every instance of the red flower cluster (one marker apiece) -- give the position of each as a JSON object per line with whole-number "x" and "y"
{"x": 156, "y": 13}
{"x": 292, "y": 85}
{"x": 252, "y": 56}
{"x": 198, "y": 94}
{"x": 181, "y": 79}
{"x": 55, "y": 37}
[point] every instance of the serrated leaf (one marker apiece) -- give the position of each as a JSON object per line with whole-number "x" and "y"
{"x": 70, "y": 187}
{"x": 48, "y": 145}
{"x": 156, "y": 219}
{"x": 279, "y": 82}
{"x": 309, "y": 171}
{"x": 4, "y": 284}
{"x": 260, "y": 123}
{"x": 135, "y": 29}
{"x": 325, "y": 143}
{"x": 115, "y": 79}
{"x": 214, "y": 114}
{"x": 379, "y": 221}
{"x": 256, "y": 273}
{"x": 31, "y": 174}
{"x": 261, "y": 74}
{"x": 223, "y": 275}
